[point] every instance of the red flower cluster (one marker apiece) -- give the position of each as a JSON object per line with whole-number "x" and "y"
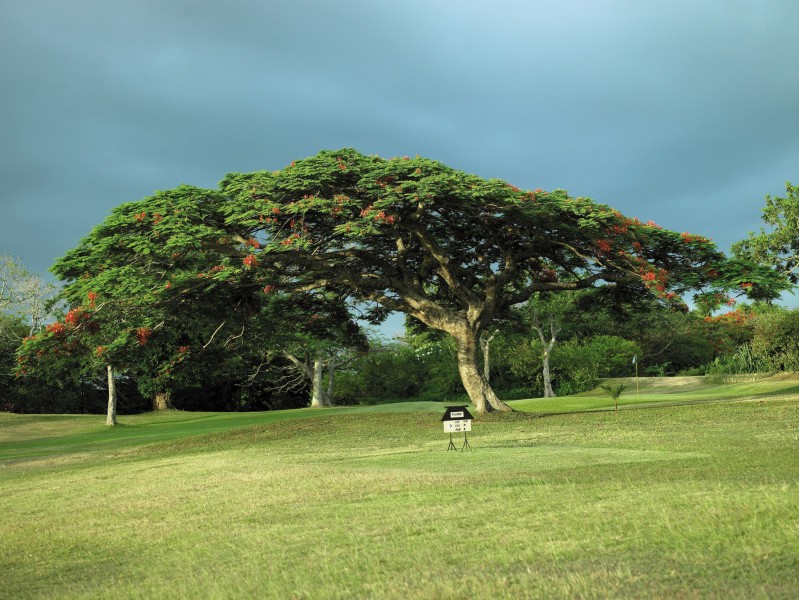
{"x": 381, "y": 216}
{"x": 655, "y": 279}
{"x": 168, "y": 284}
{"x": 184, "y": 349}
{"x": 689, "y": 238}
{"x": 254, "y": 243}
{"x": 157, "y": 218}
{"x": 619, "y": 229}
{"x": 250, "y": 261}
{"x": 268, "y": 289}
{"x": 100, "y": 350}
{"x": 76, "y": 316}
{"x": 56, "y": 328}
{"x": 143, "y": 335}
{"x": 140, "y": 216}
{"x": 735, "y": 317}
{"x": 747, "y": 285}
{"x": 217, "y": 268}
{"x": 604, "y": 246}
{"x": 92, "y": 296}
{"x": 653, "y": 225}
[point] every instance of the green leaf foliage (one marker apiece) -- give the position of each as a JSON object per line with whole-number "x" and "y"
{"x": 777, "y": 246}
{"x": 414, "y": 235}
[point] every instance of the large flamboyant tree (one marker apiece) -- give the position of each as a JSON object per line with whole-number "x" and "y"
{"x": 451, "y": 249}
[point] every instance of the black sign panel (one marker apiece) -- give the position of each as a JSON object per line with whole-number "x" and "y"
{"x": 456, "y": 413}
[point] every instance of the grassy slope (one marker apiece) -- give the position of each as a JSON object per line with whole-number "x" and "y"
{"x": 695, "y": 500}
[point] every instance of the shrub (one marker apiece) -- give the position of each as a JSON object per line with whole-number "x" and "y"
{"x": 396, "y": 371}
{"x": 776, "y": 338}
{"x": 576, "y": 365}
{"x": 744, "y": 360}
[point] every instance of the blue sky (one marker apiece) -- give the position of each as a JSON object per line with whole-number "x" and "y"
{"x": 685, "y": 112}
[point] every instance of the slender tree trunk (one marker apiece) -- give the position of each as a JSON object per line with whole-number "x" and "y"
{"x": 111, "y": 416}
{"x": 554, "y": 330}
{"x": 162, "y": 401}
{"x": 318, "y": 390}
{"x": 331, "y": 374}
{"x": 477, "y": 387}
{"x": 548, "y": 391}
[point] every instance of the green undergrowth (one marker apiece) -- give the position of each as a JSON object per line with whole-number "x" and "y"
{"x": 696, "y": 497}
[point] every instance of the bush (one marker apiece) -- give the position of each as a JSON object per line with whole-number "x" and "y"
{"x": 776, "y": 338}
{"x": 576, "y": 365}
{"x": 396, "y": 372}
{"x": 744, "y": 360}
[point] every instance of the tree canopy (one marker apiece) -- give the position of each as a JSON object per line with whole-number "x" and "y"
{"x": 453, "y": 250}
{"x": 779, "y": 246}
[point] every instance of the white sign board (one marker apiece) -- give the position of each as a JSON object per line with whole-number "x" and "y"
{"x": 458, "y": 426}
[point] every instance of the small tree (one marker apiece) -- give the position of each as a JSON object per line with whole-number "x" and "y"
{"x": 614, "y": 390}
{"x": 24, "y": 295}
{"x": 547, "y": 316}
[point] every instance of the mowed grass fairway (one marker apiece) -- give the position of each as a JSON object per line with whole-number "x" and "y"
{"x": 689, "y": 491}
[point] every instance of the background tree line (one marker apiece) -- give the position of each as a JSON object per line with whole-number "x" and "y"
{"x": 596, "y": 339}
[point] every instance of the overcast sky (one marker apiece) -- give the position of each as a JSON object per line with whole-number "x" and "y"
{"x": 685, "y": 112}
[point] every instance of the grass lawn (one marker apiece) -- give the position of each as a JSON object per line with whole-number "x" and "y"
{"x": 690, "y": 490}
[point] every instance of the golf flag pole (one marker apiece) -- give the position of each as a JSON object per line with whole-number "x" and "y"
{"x": 635, "y": 362}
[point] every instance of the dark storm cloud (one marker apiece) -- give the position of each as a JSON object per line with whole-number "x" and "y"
{"x": 681, "y": 111}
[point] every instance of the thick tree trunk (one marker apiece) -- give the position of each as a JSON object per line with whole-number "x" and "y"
{"x": 318, "y": 390}
{"x": 162, "y": 401}
{"x": 477, "y": 387}
{"x": 111, "y": 416}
